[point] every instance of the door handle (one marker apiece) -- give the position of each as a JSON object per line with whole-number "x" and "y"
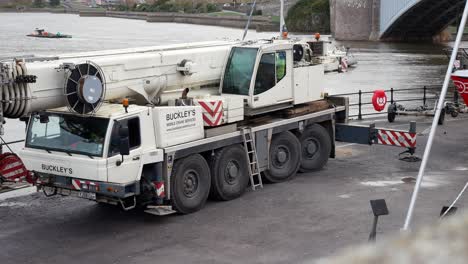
{"x": 136, "y": 158}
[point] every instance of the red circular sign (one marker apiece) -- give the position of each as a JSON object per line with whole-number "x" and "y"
{"x": 379, "y": 100}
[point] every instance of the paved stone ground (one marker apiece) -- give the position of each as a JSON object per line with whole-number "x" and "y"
{"x": 311, "y": 216}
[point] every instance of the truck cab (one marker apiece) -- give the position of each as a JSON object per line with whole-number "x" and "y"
{"x": 68, "y": 146}
{"x": 114, "y": 154}
{"x": 271, "y": 74}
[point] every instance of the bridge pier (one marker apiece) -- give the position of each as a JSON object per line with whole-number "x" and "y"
{"x": 355, "y": 19}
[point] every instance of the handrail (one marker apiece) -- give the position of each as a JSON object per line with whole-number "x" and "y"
{"x": 432, "y": 87}
{"x": 392, "y": 99}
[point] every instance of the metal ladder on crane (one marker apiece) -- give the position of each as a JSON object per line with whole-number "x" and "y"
{"x": 251, "y": 153}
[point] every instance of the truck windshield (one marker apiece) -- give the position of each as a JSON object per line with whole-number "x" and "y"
{"x": 67, "y": 133}
{"x": 239, "y": 70}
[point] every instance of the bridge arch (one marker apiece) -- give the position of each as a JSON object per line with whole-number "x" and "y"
{"x": 417, "y": 19}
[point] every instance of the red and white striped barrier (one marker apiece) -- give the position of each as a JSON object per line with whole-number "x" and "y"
{"x": 12, "y": 168}
{"x": 396, "y": 138}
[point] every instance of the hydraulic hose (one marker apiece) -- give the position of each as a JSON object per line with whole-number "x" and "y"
{"x": 15, "y": 91}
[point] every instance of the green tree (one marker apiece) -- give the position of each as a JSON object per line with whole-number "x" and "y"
{"x": 54, "y": 2}
{"x": 38, "y": 3}
{"x": 309, "y": 16}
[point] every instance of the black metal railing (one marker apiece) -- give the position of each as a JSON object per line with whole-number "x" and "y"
{"x": 428, "y": 93}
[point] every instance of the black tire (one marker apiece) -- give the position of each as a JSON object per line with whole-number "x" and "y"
{"x": 315, "y": 148}
{"x": 391, "y": 113}
{"x": 441, "y": 118}
{"x": 285, "y": 157}
{"x": 229, "y": 173}
{"x": 190, "y": 184}
{"x": 454, "y": 113}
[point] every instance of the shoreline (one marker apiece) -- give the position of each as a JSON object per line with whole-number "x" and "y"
{"x": 260, "y": 24}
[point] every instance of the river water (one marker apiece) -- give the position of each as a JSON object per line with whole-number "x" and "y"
{"x": 381, "y": 65}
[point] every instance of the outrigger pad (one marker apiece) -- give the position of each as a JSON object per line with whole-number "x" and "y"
{"x": 379, "y": 207}
{"x": 408, "y": 157}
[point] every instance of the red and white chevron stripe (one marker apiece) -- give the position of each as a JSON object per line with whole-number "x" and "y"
{"x": 396, "y": 138}
{"x": 77, "y": 184}
{"x": 160, "y": 189}
{"x": 212, "y": 111}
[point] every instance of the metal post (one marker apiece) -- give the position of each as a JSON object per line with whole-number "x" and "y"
{"x": 281, "y": 18}
{"x": 391, "y": 95}
{"x": 439, "y": 108}
{"x": 424, "y": 95}
{"x": 249, "y": 19}
{"x": 360, "y": 104}
{"x": 412, "y": 130}
{"x": 373, "y": 233}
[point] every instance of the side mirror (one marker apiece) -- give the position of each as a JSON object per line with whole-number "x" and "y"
{"x": 123, "y": 131}
{"x": 124, "y": 146}
{"x": 43, "y": 118}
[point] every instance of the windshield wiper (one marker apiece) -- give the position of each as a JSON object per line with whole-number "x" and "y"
{"x": 62, "y": 150}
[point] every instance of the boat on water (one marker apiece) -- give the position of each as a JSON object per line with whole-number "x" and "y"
{"x": 41, "y": 33}
{"x": 333, "y": 58}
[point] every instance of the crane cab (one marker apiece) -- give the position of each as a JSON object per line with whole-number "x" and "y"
{"x": 271, "y": 75}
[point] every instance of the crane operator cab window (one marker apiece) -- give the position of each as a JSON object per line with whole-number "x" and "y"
{"x": 239, "y": 70}
{"x": 133, "y": 135}
{"x": 271, "y": 70}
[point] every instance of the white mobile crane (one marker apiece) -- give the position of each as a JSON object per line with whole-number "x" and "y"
{"x": 165, "y": 127}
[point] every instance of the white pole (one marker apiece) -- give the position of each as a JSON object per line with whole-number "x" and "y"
{"x": 281, "y": 18}
{"x": 440, "y": 105}
{"x": 248, "y": 20}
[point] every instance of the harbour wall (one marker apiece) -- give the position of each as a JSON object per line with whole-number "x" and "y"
{"x": 258, "y": 23}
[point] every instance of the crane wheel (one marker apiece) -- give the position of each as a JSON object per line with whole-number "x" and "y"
{"x": 230, "y": 173}
{"x": 315, "y": 148}
{"x": 285, "y": 157}
{"x": 392, "y": 109}
{"x": 190, "y": 184}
